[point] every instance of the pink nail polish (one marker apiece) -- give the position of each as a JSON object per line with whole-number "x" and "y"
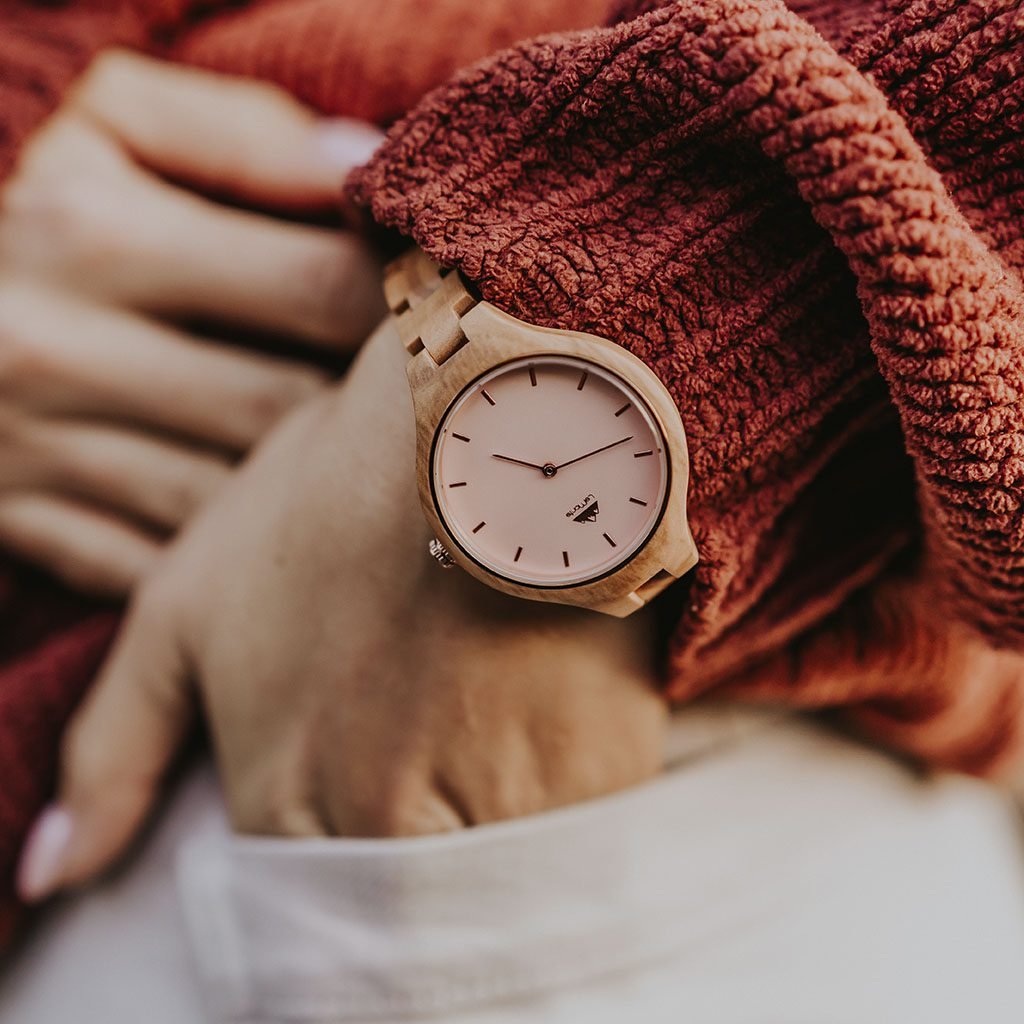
{"x": 39, "y": 868}
{"x": 344, "y": 143}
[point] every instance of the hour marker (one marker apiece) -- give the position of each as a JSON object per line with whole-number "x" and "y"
{"x": 461, "y": 437}
{"x": 487, "y": 396}
{"x": 519, "y": 551}
{"x": 625, "y": 408}
{"x": 583, "y": 381}
{"x": 640, "y": 455}
{"x": 479, "y": 527}
{"x": 636, "y": 501}
{"x": 533, "y": 380}
{"x": 462, "y": 483}
{"x": 607, "y": 538}
{"x": 565, "y": 558}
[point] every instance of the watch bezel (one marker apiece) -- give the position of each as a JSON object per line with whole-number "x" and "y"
{"x": 497, "y": 368}
{"x": 495, "y": 338}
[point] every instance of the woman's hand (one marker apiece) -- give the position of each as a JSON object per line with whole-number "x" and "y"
{"x": 352, "y": 686}
{"x": 117, "y": 421}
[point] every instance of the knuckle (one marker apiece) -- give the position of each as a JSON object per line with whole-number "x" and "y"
{"x": 259, "y": 412}
{"x": 185, "y": 493}
{"x": 43, "y": 221}
{"x": 282, "y": 815}
{"x": 302, "y": 384}
{"x": 404, "y": 808}
{"x": 269, "y": 798}
{"x": 62, "y": 223}
{"x": 519, "y": 796}
{"x": 189, "y": 495}
{"x": 105, "y": 76}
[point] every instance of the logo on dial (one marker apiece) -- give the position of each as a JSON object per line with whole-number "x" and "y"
{"x": 585, "y": 511}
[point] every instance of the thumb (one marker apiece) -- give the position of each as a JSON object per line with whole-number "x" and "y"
{"x": 114, "y": 755}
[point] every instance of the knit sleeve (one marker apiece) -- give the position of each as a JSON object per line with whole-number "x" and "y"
{"x": 371, "y": 60}
{"x": 946, "y": 313}
{"x": 714, "y": 78}
{"x": 834, "y": 303}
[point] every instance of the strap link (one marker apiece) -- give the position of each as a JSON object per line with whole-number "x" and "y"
{"x": 427, "y": 301}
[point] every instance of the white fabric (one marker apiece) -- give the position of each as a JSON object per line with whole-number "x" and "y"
{"x": 776, "y": 874}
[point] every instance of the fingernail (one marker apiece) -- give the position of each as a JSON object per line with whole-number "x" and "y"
{"x": 346, "y": 143}
{"x": 41, "y": 860}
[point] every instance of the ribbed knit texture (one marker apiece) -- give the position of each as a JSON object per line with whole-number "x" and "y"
{"x": 712, "y": 185}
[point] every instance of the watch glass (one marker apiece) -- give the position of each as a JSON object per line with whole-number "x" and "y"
{"x": 550, "y": 471}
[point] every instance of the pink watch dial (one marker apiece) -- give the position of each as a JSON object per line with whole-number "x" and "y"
{"x": 550, "y": 471}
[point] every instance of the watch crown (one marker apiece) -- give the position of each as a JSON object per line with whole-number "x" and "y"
{"x": 440, "y": 553}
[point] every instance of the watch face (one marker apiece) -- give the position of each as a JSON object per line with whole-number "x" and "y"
{"x": 550, "y": 471}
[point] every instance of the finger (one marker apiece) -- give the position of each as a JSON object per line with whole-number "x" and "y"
{"x": 89, "y": 549}
{"x": 136, "y": 241}
{"x": 192, "y": 257}
{"x": 247, "y": 139}
{"x": 144, "y": 477}
{"x": 66, "y": 357}
{"x": 114, "y": 756}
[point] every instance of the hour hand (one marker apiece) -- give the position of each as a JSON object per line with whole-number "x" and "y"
{"x": 518, "y": 462}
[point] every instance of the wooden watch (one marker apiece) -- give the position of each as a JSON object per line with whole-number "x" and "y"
{"x": 551, "y": 464}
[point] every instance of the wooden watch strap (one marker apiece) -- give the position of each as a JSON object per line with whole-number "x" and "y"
{"x": 427, "y": 302}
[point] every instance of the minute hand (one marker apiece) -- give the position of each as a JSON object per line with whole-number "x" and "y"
{"x": 596, "y": 451}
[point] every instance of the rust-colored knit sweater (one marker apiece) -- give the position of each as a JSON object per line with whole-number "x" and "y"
{"x": 823, "y": 263}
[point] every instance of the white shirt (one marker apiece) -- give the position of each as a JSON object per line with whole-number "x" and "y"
{"x": 776, "y": 873}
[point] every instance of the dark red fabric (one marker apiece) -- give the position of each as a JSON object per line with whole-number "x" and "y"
{"x": 42, "y": 677}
